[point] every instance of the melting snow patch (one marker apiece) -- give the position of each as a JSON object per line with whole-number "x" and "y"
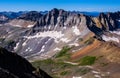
{"x": 16, "y": 46}
{"x": 116, "y": 32}
{"x": 42, "y": 50}
{"x": 57, "y": 36}
{"x": 55, "y": 26}
{"x": 76, "y": 77}
{"x": 29, "y": 26}
{"x": 76, "y": 30}
{"x": 29, "y": 49}
{"x": 17, "y": 25}
{"x": 74, "y": 44}
{"x": 97, "y": 76}
{"x": 95, "y": 72}
{"x": 24, "y": 43}
{"x": 57, "y": 49}
{"x": 49, "y": 27}
{"x": 65, "y": 27}
{"x": 65, "y": 40}
{"x": 48, "y": 40}
{"x": 106, "y": 38}
{"x": 52, "y": 34}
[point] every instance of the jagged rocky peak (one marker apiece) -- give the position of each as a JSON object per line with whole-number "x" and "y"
{"x": 32, "y": 16}
{"x": 59, "y": 18}
{"x": 54, "y": 11}
{"x": 109, "y": 21}
{"x": 14, "y": 66}
{"x": 50, "y": 18}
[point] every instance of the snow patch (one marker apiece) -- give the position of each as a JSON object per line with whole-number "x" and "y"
{"x": 95, "y": 72}
{"x": 17, "y": 25}
{"x": 76, "y": 77}
{"x": 74, "y": 44}
{"x": 42, "y": 49}
{"x": 57, "y": 36}
{"x": 52, "y": 34}
{"x": 66, "y": 40}
{"x": 29, "y": 26}
{"x": 24, "y": 43}
{"x": 57, "y": 49}
{"x": 97, "y": 76}
{"x": 76, "y": 50}
{"x": 17, "y": 44}
{"x": 48, "y": 40}
{"x": 49, "y": 27}
{"x": 115, "y": 32}
{"x": 106, "y": 38}
{"x": 28, "y": 49}
{"x": 76, "y": 30}
{"x": 31, "y": 50}
{"x": 65, "y": 27}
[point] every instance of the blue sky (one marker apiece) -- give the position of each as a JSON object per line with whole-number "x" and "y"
{"x": 41, "y": 5}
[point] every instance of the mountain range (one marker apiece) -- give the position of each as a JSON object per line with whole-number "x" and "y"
{"x": 42, "y": 35}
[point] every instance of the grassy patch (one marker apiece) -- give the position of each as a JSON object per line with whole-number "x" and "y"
{"x": 39, "y": 63}
{"x": 53, "y": 67}
{"x": 63, "y": 52}
{"x": 87, "y": 60}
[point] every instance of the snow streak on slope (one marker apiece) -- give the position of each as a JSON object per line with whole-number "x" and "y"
{"x": 112, "y": 36}
{"x": 107, "y": 38}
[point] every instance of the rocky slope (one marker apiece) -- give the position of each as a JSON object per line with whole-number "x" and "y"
{"x": 41, "y": 36}
{"x": 14, "y": 66}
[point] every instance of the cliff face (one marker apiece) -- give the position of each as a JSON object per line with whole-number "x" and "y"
{"x": 14, "y": 66}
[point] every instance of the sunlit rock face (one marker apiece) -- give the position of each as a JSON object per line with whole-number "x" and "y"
{"x": 39, "y": 36}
